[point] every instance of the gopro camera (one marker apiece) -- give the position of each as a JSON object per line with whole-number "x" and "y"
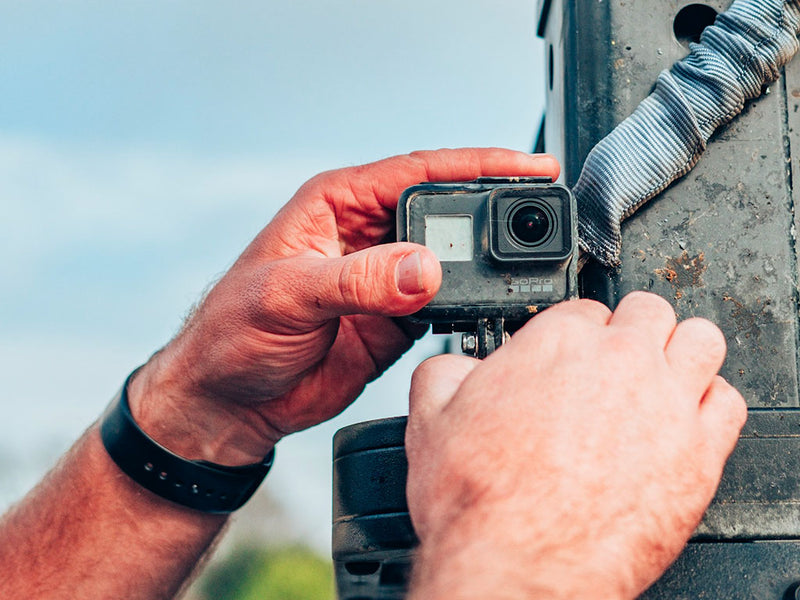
{"x": 508, "y": 249}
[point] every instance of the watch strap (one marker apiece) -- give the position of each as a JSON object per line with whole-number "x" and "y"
{"x": 197, "y": 484}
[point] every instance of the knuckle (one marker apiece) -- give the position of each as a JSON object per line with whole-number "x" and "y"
{"x": 706, "y": 336}
{"x": 738, "y": 407}
{"x": 553, "y": 325}
{"x": 265, "y": 296}
{"x": 427, "y": 369}
{"x": 573, "y": 312}
{"x": 319, "y": 182}
{"x": 647, "y": 301}
{"x": 731, "y": 408}
{"x": 581, "y": 306}
{"x": 435, "y": 364}
{"x": 355, "y": 284}
{"x": 420, "y": 155}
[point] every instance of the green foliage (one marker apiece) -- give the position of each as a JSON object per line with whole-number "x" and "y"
{"x": 292, "y": 573}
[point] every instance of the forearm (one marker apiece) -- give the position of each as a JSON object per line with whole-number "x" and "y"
{"x": 87, "y": 531}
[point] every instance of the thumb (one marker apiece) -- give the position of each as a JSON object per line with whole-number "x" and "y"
{"x": 388, "y": 280}
{"x": 433, "y": 387}
{"x": 434, "y": 384}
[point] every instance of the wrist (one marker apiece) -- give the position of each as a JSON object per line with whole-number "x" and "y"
{"x": 479, "y": 558}
{"x": 191, "y": 424}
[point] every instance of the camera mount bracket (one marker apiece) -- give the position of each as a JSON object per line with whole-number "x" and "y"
{"x": 489, "y": 336}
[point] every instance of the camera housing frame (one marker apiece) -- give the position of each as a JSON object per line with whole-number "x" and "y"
{"x": 488, "y": 271}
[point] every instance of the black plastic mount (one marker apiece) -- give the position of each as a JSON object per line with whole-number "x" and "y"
{"x": 373, "y": 540}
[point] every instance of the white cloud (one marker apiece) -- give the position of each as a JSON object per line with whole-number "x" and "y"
{"x": 56, "y": 196}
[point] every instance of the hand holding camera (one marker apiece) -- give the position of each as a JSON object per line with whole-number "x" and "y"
{"x": 300, "y": 323}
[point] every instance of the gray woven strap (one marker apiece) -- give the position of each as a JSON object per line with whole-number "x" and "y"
{"x": 663, "y": 139}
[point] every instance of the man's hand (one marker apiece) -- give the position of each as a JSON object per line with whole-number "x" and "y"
{"x": 573, "y": 462}
{"x": 300, "y": 324}
{"x": 287, "y": 338}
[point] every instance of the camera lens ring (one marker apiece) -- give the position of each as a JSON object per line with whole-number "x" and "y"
{"x": 530, "y": 223}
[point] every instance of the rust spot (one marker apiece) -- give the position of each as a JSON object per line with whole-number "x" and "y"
{"x": 796, "y": 93}
{"x": 748, "y": 320}
{"x": 532, "y": 309}
{"x": 683, "y": 272}
{"x": 668, "y": 274}
{"x": 619, "y": 63}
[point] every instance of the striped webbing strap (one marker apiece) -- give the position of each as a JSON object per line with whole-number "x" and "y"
{"x": 737, "y": 56}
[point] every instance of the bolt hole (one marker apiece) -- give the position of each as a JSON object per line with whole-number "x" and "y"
{"x": 395, "y": 574}
{"x": 361, "y": 568}
{"x": 690, "y": 22}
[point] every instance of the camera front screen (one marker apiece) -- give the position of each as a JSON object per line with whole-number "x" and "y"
{"x": 450, "y": 237}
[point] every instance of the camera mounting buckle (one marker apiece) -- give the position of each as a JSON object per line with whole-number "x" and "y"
{"x": 490, "y": 334}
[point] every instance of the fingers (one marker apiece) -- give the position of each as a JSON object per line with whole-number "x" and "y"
{"x": 434, "y": 384}
{"x": 723, "y": 413}
{"x": 650, "y": 315}
{"x": 590, "y": 310}
{"x": 468, "y": 163}
{"x": 696, "y": 350}
{"x": 388, "y": 280}
{"x": 570, "y": 319}
{"x": 353, "y": 208}
{"x": 381, "y": 183}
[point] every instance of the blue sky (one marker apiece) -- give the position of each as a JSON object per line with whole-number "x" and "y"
{"x": 281, "y": 78}
{"x": 142, "y": 144}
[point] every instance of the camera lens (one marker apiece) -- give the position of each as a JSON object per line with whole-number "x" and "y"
{"x": 530, "y": 225}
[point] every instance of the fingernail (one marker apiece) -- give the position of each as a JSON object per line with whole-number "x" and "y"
{"x": 409, "y": 274}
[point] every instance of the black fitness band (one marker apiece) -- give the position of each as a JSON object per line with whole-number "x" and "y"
{"x": 201, "y": 485}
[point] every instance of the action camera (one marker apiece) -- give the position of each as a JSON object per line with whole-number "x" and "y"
{"x": 507, "y": 246}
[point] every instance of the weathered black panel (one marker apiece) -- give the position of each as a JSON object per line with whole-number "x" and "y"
{"x": 767, "y": 570}
{"x": 720, "y": 243}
